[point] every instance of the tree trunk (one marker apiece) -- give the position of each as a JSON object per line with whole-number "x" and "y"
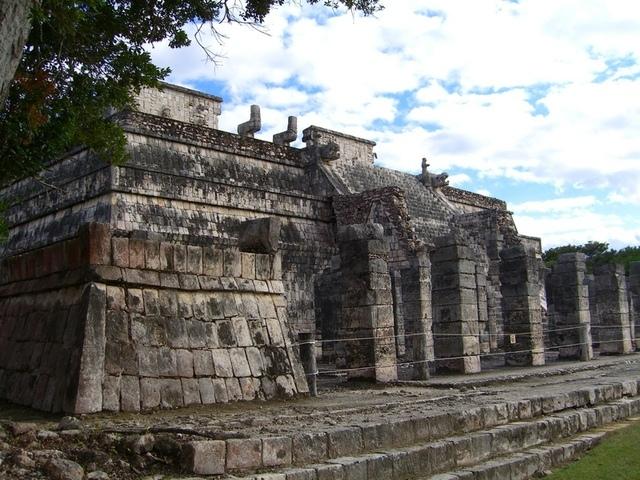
{"x": 15, "y": 24}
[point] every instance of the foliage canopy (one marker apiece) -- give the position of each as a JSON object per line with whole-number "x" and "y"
{"x": 598, "y": 253}
{"x": 84, "y": 57}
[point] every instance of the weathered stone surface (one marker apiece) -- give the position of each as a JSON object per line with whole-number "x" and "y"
{"x": 205, "y": 457}
{"x": 244, "y": 454}
{"x": 63, "y": 469}
{"x": 276, "y": 451}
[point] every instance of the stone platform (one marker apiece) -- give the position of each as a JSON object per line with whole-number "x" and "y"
{"x": 529, "y": 422}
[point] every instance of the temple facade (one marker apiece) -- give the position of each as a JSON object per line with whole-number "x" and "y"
{"x": 188, "y": 274}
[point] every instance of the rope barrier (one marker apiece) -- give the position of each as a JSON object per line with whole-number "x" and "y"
{"x": 383, "y": 337}
{"x": 442, "y": 359}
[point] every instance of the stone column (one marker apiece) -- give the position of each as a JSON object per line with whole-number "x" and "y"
{"x": 367, "y": 309}
{"x": 483, "y": 309}
{"x": 590, "y": 281}
{"x": 398, "y": 315}
{"x": 416, "y": 283}
{"x": 520, "y": 279}
{"x": 569, "y": 297}
{"x": 634, "y": 295}
{"x": 455, "y": 306}
{"x": 613, "y": 308}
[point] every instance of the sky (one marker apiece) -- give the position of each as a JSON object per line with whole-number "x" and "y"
{"x": 536, "y": 102}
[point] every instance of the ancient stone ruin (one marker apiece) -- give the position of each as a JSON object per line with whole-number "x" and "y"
{"x": 195, "y": 272}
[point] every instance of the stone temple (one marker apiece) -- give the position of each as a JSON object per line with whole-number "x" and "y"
{"x": 196, "y": 272}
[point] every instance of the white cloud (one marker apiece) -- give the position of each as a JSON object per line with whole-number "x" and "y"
{"x": 579, "y": 228}
{"x": 554, "y": 205}
{"x": 534, "y": 92}
{"x": 459, "y": 179}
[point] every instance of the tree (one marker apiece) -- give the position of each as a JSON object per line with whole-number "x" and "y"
{"x": 598, "y": 253}
{"x": 82, "y": 57}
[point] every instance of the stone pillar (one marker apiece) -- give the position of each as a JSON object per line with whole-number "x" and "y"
{"x": 455, "y": 306}
{"x": 634, "y": 295}
{"x": 367, "y": 309}
{"x": 483, "y": 309}
{"x": 520, "y": 279}
{"x": 398, "y": 315}
{"x": 590, "y": 281}
{"x": 613, "y": 308}
{"x": 416, "y": 283}
{"x": 569, "y": 302}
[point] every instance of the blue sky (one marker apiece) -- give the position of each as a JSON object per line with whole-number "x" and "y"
{"x": 536, "y": 102}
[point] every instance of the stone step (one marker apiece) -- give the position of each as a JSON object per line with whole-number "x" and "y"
{"x": 303, "y": 448}
{"x": 527, "y": 464}
{"x": 461, "y": 451}
{"x": 534, "y": 462}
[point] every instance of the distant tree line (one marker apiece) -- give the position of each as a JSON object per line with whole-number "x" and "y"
{"x": 598, "y": 253}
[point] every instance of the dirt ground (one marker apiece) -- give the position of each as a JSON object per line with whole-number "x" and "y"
{"x": 117, "y": 445}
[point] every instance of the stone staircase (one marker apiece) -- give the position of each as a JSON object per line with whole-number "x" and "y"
{"x": 508, "y": 440}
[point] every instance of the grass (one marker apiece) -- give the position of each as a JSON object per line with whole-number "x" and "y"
{"x": 616, "y": 458}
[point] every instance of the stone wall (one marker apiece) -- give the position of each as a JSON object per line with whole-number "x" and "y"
{"x": 353, "y": 150}
{"x": 179, "y": 103}
{"x": 143, "y": 323}
{"x": 469, "y": 202}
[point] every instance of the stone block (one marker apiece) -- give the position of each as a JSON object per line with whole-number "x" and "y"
{"x": 241, "y": 331}
{"x": 207, "y": 392}
{"x": 135, "y": 300}
{"x": 148, "y": 361}
{"x": 300, "y": 474}
{"x": 256, "y": 363}
{"x": 250, "y": 388}
{"x": 309, "y": 447}
{"x": 168, "y": 300}
{"x": 194, "y": 259}
{"x": 212, "y": 260}
{"x": 167, "y": 362}
{"x": 166, "y": 256}
{"x": 275, "y": 332}
{"x": 379, "y": 466}
{"x": 176, "y": 332}
{"x": 239, "y": 362}
{"x": 149, "y": 393}
{"x": 220, "y": 390}
{"x": 234, "y": 392}
{"x": 191, "y": 391}
{"x": 117, "y": 326}
{"x": 151, "y": 302}
{"x": 152, "y": 255}
{"x": 180, "y": 258}
{"x": 171, "y": 395}
{"x": 248, "y": 265}
{"x": 263, "y": 267}
{"x": 136, "y": 253}
{"x": 184, "y": 363}
{"x": 197, "y": 333}
{"x": 276, "y": 451}
{"x": 244, "y": 454}
{"x": 222, "y": 362}
{"x": 120, "y": 251}
{"x": 129, "y": 394}
{"x": 232, "y": 262}
{"x": 203, "y": 363}
{"x": 205, "y": 457}
{"x": 344, "y": 441}
{"x": 329, "y": 471}
{"x": 111, "y": 393}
